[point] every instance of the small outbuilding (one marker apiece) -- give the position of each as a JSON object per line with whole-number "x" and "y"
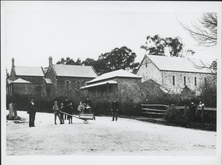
{"x": 119, "y": 84}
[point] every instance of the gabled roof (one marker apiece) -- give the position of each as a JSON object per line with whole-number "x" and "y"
{"x": 165, "y": 63}
{"x": 9, "y": 81}
{"x": 20, "y": 80}
{"x": 113, "y": 74}
{"x": 74, "y": 71}
{"x": 28, "y": 71}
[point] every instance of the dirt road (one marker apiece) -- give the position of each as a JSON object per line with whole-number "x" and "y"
{"x": 105, "y": 137}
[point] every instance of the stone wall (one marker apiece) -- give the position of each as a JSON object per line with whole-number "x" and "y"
{"x": 66, "y": 86}
{"x": 182, "y": 79}
{"x": 194, "y": 81}
{"x": 24, "y": 89}
{"x": 149, "y": 71}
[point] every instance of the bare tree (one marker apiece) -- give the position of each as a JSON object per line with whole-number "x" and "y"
{"x": 204, "y": 32}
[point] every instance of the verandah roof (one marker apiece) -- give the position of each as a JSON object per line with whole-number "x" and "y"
{"x": 98, "y": 84}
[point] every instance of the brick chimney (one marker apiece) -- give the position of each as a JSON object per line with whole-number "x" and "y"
{"x": 13, "y": 62}
{"x": 50, "y": 61}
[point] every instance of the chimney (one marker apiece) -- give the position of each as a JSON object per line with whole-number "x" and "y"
{"x": 50, "y": 61}
{"x": 13, "y": 62}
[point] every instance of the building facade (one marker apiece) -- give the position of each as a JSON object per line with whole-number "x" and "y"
{"x": 25, "y": 80}
{"x": 175, "y": 73}
{"x": 66, "y": 80}
{"x": 119, "y": 84}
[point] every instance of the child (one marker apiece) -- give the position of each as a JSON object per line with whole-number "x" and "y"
{"x": 81, "y": 107}
{"x": 55, "y": 108}
{"x": 61, "y": 114}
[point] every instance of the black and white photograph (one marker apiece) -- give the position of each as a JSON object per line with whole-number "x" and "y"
{"x": 111, "y": 82}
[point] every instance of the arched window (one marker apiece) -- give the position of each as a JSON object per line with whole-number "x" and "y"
{"x": 195, "y": 81}
{"x": 173, "y": 80}
{"x": 184, "y": 79}
{"x": 67, "y": 84}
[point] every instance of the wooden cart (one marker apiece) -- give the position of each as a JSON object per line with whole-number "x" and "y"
{"x": 83, "y": 116}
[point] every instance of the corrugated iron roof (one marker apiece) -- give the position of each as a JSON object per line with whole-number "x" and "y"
{"x": 179, "y": 64}
{"x": 98, "y": 84}
{"x": 28, "y": 71}
{"x": 74, "y": 71}
{"x": 20, "y": 80}
{"x": 117, "y": 73}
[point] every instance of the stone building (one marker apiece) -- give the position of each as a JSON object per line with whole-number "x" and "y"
{"x": 25, "y": 80}
{"x": 175, "y": 73}
{"x": 66, "y": 80}
{"x": 118, "y": 84}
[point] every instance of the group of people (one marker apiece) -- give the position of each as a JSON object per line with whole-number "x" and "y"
{"x": 65, "y": 110}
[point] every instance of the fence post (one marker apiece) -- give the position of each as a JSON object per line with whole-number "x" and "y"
{"x": 15, "y": 110}
{"x": 202, "y": 113}
{"x": 11, "y": 111}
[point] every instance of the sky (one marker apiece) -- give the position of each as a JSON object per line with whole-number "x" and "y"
{"x": 33, "y": 31}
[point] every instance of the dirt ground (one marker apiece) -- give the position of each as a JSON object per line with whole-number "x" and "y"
{"x": 104, "y": 137}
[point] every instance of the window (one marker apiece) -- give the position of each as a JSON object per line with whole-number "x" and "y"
{"x": 38, "y": 89}
{"x": 184, "y": 79}
{"x": 67, "y": 84}
{"x": 195, "y": 81}
{"x": 173, "y": 80}
{"x": 205, "y": 80}
{"x": 48, "y": 90}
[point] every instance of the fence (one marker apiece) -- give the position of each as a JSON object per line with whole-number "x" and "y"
{"x": 154, "y": 109}
{"x": 160, "y": 110}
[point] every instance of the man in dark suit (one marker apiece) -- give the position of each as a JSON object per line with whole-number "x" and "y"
{"x": 31, "y": 110}
{"x": 114, "y": 109}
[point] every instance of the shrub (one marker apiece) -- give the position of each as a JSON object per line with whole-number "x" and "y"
{"x": 178, "y": 117}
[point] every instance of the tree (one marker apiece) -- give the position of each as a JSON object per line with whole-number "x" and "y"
{"x": 67, "y": 61}
{"x": 118, "y": 58}
{"x": 158, "y": 46}
{"x": 205, "y": 31}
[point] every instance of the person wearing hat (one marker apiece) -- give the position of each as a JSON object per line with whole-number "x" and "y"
{"x": 114, "y": 110}
{"x": 31, "y": 110}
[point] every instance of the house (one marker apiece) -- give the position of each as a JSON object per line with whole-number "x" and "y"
{"x": 25, "y": 80}
{"x": 66, "y": 80}
{"x": 119, "y": 84}
{"x": 175, "y": 73}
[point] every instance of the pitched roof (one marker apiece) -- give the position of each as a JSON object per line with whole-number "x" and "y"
{"x": 28, "y": 71}
{"x": 74, "y": 71}
{"x": 179, "y": 64}
{"x": 117, "y": 73}
{"x": 20, "y": 80}
{"x": 9, "y": 81}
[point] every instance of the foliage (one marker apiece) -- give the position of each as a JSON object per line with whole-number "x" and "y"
{"x": 118, "y": 58}
{"x": 179, "y": 117}
{"x": 157, "y": 45}
{"x": 69, "y": 61}
{"x": 209, "y": 93}
{"x": 205, "y": 32}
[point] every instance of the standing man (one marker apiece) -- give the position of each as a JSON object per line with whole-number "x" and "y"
{"x": 66, "y": 107}
{"x": 114, "y": 109}
{"x": 31, "y": 110}
{"x": 192, "y": 109}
